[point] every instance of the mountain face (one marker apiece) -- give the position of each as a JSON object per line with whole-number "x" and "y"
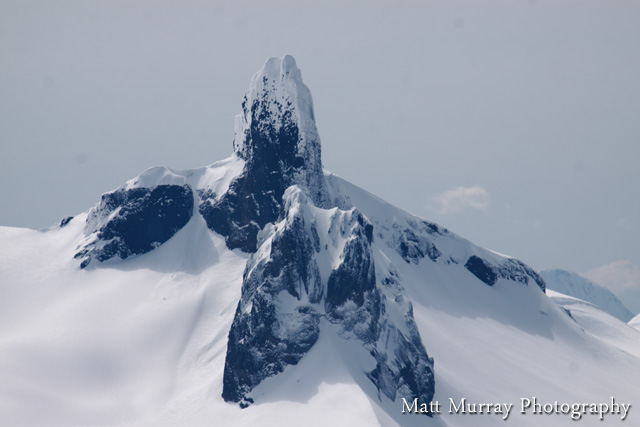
{"x": 262, "y": 287}
{"x": 277, "y": 138}
{"x": 303, "y": 269}
{"x": 574, "y": 285}
{"x": 317, "y": 264}
{"x": 311, "y": 261}
{"x": 314, "y": 266}
{"x": 134, "y": 221}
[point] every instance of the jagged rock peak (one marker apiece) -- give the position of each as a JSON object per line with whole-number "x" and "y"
{"x": 276, "y": 91}
{"x": 276, "y": 129}
{"x": 316, "y": 265}
{"x": 276, "y": 136}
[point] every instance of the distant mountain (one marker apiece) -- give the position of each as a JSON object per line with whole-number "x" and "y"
{"x": 574, "y": 285}
{"x": 264, "y": 290}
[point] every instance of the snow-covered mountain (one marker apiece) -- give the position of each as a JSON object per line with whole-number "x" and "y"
{"x": 574, "y": 285}
{"x": 264, "y": 290}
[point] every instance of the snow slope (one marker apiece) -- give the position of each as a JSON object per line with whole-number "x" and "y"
{"x": 599, "y": 323}
{"x": 143, "y": 339}
{"x": 577, "y": 286}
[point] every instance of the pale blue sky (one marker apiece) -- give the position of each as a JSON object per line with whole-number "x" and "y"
{"x": 514, "y": 123}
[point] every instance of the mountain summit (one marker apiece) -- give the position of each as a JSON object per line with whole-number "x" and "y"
{"x": 262, "y": 287}
{"x": 276, "y": 130}
{"x": 314, "y": 264}
{"x": 317, "y": 265}
{"x": 277, "y": 138}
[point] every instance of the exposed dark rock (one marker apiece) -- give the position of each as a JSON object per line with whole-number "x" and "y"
{"x": 263, "y": 342}
{"x": 265, "y": 336}
{"x": 568, "y": 312}
{"x": 254, "y": 198}
{"x": 510, "y": 269}
{"x": 392, "y": 280}
{"x": 368, "y": 228}
{"x": 413, "y": 248}
{"x": 278, "y": 141}
{"x": 356, "y": 274}
{"x": 516, "y": 270}
{"x": 66, "y": 220}
{"x": 482, "y": 270}
{"x": 292, "y": 262}
{"x": 135, "y": 221}
{"x": 284, "y": 297}
{"x": 238, "y": 218}
{"x": 352, "y": 300}
{"x": 433, "y": 228}
{"x": 404, "y": 369}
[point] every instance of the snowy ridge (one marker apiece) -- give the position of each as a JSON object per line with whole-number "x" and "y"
{"x": 415, "y": 238}
{"x": 147, "y": 210}
{"x": 599, "y": 324}
{"x": 215, "y": 177}
{"x": 577, "y": 286}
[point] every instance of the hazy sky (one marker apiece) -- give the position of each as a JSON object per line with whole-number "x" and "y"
{"x": 515, "y": 124}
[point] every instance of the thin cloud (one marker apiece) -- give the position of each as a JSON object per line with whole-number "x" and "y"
{"x": 618, "y": 276}
{"x": 459, "y": 199}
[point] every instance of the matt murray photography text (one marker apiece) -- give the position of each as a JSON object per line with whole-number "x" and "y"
{"x": 526, "y": 405}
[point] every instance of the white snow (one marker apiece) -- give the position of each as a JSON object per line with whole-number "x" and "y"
{"x": 215, "y": 177}
{"x": 143, "y": 341}
{"x": 635, "y": 322}
{"x": 107, "y": 346}
{"x": 577, "y": 286}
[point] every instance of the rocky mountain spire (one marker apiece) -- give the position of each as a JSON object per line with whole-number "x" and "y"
{"x": 277, "y": 138}
{"x": 323, "y": 270}
{"x": 276, "y": 130}
{"x": 309, "y": 271}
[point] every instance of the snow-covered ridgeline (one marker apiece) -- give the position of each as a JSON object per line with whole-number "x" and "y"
{"x": 574, "y": 285}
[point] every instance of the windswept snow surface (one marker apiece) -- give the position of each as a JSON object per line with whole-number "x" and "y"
{"x": 577, "y": 286}
{"x": 506, "y": 342}
{"x": 599, "y": 323}
{"x": 142, "y": 341}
